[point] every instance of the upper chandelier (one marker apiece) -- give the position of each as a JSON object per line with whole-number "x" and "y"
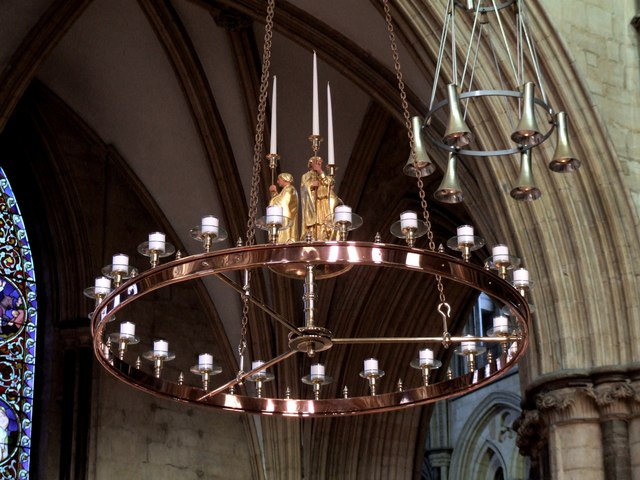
{"x": 311, "y": 250}
{"x": 464, "y": 62}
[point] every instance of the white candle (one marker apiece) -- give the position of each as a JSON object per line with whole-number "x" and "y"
{"x": 521, "y": 276}
{"x": 426, "y": 357}
{"x": 465, "y": 234}
{"x": 209, "y": 224}
{"x": 500, "y": 324}
{"x": 370, "y": 364}
{"x": 160, "y": 347}
{"x": 343, "y": 213}
{"x": 468, "y": 347}
{"x": 316, "y": 115}
{"x": 157, "y": 241}
{"x": 274, "y": 124}
{"x": 205, "y": 360}
{"x": 331, "y": 159}
{"x": 409, "y": 219}
{"x": 274, "y": 214}
{"x": 257, "y": 364}
{"x": 317, "y": 370}
{"x": 102, "y": 286}
{"x": 120, "y": 262}
{"x": 500, "y": 253}
{"x": 127, "y": 328}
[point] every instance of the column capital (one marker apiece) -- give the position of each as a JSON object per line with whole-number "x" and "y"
{"x": 612, "y": 398}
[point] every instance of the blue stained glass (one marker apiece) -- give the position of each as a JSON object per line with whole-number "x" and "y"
{"x": 18, "y": 319}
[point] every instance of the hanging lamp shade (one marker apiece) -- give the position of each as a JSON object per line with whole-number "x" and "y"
{"x": 564, "y": 160}
{"x": 449, "y": 190}
{"x": 422, "y": 166}
{"x": 525, "y": 189}
{"x": 457, "y": 133}
{"x": 527, "y": 132}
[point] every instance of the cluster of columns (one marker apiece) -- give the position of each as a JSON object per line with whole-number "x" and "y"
{"x": 583, "y": 425}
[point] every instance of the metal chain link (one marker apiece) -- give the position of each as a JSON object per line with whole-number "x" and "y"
{"x": 412, "y": 140}
{"x": 257, "y": 166}
{"x": 259, "y": 137}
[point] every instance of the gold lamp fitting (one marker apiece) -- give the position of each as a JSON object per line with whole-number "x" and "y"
{"x": 525, "y": 189}
{"x": 449, "y": 190}
{"x": 457, "y": 133}
{"x": 564, "y": 160}
{"x": 420, "y": 165}
{"x": 527, "y": 132}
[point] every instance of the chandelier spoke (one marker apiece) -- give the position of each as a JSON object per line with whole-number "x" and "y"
{"x": 241, "y": 377}
{"x": 261, "y": 305}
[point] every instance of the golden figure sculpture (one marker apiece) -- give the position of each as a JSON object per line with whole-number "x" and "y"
{"x": 287, "y": 199}
{"x": 318, "y": 202}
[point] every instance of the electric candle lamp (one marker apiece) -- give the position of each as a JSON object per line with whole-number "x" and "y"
{"x": 210, "y": 225}
{"x": 426, "y": 357}
{"x": 465, "y": 235}
{"x": 157, "y": 241}
{"x": 127, "y": 328}
{"x": 102, "y": 286}
{"x": 274, "y": 214}
{"x": 273, "y": 149}
{"x": 316, "y": 116}
{"x": 468, "y": 347}
{"x": 205, "y": 361}
{"x": 500, "y": 254}
{"x": 408, "y": 219}
{"x": 257, "y": 364}
{"x": 330, "y": 151}
{"x": 370, "y": 365}
{"x": 317, "y": 370}
{"x": 120, "y": 262}
{"x": 343, "y": 214}
{"x": 160, "y": 348}
{"x": 521, "y": 277}
{"x": 500, "y": 324}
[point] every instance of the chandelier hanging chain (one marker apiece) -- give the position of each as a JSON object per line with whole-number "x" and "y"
{"x": 259, "y": 136}
{"x": 412, "y": 141}
{"x": 255, "y": 178}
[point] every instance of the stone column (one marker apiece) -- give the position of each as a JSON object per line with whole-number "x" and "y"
{"x": 441, "y": 459}
{"x": 611, "y": 396}
{"x": 575, "y": 444}
{"x": 588, "y": 422}
{"x": 634, "y": 428}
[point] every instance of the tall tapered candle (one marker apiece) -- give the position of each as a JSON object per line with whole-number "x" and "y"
{"x": 330, "y": 156}
{"x": 316, "y": 114}
{"x": 273, "y": 149}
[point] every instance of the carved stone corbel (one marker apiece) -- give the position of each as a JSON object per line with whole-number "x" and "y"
{"x": 531, "y": 432}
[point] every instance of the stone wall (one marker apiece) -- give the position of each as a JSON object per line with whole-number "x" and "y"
{"x": 604, "y": 48}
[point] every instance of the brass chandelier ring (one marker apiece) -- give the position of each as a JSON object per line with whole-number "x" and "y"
{"x": 375, "y": 255}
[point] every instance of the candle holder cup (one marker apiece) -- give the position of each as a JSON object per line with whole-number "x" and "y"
{"x": 208, "y": 238}
{"x": 155, "y": 254}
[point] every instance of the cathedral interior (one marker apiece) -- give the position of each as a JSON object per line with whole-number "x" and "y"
{"x": 123, "y": 117}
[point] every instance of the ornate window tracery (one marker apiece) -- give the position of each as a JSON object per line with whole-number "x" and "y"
{"x": 18, "y": 316}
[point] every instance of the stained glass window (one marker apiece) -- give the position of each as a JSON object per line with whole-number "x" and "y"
{"x": 17, "y": 338}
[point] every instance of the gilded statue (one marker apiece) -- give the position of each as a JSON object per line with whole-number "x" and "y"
{"x": 318, "y": 202}
{"x": 287, "y": 199}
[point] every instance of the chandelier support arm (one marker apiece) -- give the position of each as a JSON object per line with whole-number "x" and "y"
{"x": 390, "y": 340}
{"x": 504, "y": 39}
{"x": 262, "y": 306}
{"x": 243, "y": 376}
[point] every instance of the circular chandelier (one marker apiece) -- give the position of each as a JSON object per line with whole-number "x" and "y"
{"x": 319, "y": 253}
